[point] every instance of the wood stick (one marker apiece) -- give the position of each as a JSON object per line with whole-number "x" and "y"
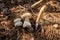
{"x": 32, "y": 6}
{"x": 43, "y": 9}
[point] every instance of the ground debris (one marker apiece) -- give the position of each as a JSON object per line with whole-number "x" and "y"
{"x": 19, "y": 18}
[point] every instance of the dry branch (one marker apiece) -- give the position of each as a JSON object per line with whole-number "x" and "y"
{"x": 43, "y": 9}
{"x": 35, "y": 4}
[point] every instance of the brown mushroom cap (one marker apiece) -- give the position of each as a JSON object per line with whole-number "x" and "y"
{"x": 26, "y": 15}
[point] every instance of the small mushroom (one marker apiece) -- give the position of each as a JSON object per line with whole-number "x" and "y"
{"x": 29, "y": 15}
{"x": 17, "y": 22}
{"x": 27, "y": 25}
{"x": 17, "y": 19}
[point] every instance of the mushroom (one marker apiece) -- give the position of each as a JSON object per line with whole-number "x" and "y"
{"x": 29, "y": 15}
{"x": 17, "y": 22}
{"x": 17, "y": 19}
{"x": 27, "y": 25}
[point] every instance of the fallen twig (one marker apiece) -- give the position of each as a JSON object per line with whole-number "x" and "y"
{"x": 32, "y": 6}
{"x": 41, "y": 12}
{"x": 43, "y": 9}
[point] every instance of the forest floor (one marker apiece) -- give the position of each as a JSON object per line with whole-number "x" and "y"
{"x": 45, "y": 12}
